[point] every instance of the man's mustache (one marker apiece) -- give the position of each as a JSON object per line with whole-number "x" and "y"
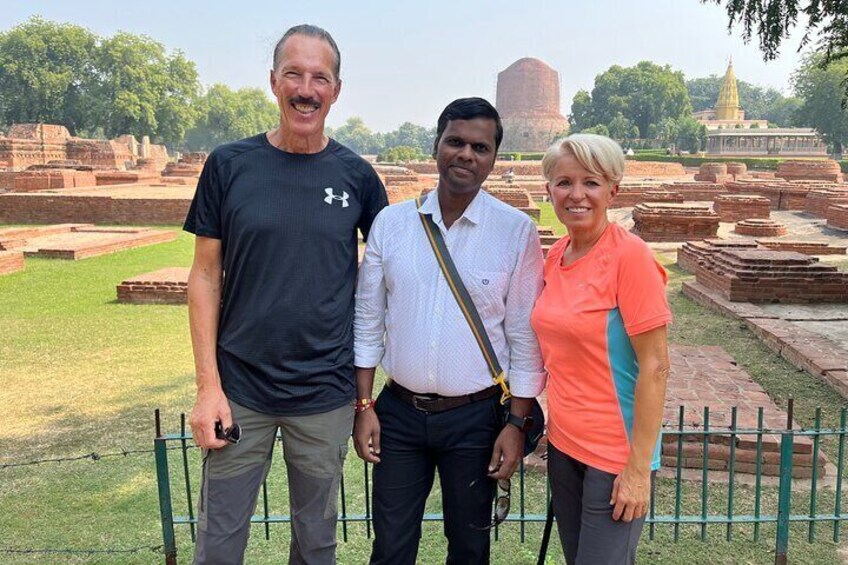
{"x": 303, "y": 100}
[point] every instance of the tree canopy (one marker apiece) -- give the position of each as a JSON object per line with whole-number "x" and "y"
{"x": 65, "y": 74}
{"x": 645, "y": 94}
{"x": 821, "y": 90}
{"x": 227, "y": 115}
{"x": 772, "y": 22}
{"x": 47, "y": 73}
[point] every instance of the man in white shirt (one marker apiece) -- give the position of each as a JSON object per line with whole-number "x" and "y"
{"x": 440, "y": 408}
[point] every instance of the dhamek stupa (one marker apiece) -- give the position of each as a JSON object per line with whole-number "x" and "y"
{"x": 528, "y": 102}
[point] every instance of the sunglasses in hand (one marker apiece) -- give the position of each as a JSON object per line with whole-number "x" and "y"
{"x": 231, "y": 435}
{"x": 501, "y": 504}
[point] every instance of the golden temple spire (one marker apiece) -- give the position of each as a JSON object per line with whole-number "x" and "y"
{"x": 727, "y": 106}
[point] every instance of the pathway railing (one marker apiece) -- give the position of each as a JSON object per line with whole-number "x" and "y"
{"x": 704, "y": 498}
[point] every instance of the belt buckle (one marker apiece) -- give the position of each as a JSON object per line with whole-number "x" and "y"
{"x": 421, "y": 403}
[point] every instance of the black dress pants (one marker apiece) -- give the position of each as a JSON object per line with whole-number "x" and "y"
{"x": 413, "y": 444}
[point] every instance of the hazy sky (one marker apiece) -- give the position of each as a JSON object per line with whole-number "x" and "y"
{"x": 403, "y": 61}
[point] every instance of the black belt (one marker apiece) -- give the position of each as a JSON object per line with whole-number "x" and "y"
{"x": 436, "y": 402}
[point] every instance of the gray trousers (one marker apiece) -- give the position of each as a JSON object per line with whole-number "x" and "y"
{"x": 314, "y": 449}
{"x": 581, "y": 496}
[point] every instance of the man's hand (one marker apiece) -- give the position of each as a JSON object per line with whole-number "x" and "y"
{"x": 507, "y": 453}
{"x": 631, "y": 493}
{"x": 211, "y": 406}
{"x": 366, "y": 436}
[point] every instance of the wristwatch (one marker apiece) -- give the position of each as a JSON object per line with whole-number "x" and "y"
{"x": 524, "y": 424}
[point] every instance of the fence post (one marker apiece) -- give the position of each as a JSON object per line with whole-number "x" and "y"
{"x": 783, "y": 500}
{"x": 163, "y": 482}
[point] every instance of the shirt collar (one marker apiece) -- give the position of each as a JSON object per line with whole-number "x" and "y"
{"x": 473, "y": 212}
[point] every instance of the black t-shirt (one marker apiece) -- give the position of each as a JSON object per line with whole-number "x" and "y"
{"x": 287, "y": 224}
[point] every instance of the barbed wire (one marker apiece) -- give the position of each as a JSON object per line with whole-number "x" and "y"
{"x": 94, "y": 456}
{"x": 49, "y": 551}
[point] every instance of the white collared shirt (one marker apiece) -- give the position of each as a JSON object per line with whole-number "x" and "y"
{"x": 402, "y": 296}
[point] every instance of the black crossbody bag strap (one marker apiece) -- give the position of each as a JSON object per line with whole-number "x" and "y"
{"x": 466, "y": 304}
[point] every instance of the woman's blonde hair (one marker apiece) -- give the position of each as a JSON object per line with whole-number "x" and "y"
{"x": 597, "y": 154}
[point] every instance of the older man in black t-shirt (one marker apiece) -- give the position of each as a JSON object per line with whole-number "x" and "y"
{"x": 271, "y": 308}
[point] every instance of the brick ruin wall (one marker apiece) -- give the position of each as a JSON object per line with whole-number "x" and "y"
{"x": 760, "y": 228}
{"x": 38, "y": 144}
{"x": 652, "y": 169}
{"x": 805, "y": 247}
{"x": 837, "y": 216}
{"x": 11, "y": 262}
{"x": 810, "y": 169}
{"x": 754, "y": 275}
{"x": 165, "y": 286}
{"x": 38, "y": 208}
{"x": 674, "y": 222}
{"x": 692, "y": 253}
{"x": 735, "y": 207}
{"x": 819, "y": 200}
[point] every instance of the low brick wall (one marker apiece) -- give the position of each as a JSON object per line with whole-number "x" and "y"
{"x": 124, "y": 207}
{"x": 692, "y": 253}
{"x": 674, "y": 222}
{"x": 735, "y": 207}
{"x": 754, "y": 275}
{"x": 819, "y": 200}
{"x": 11, "y": 262}
{"x": 16, "y": 238}
{"x": 837, "y": 216}
{"x": 810, "y": 169}
{"x": 805, "y": 247}
{"x": 83, "y": 243}
{"x": 165, "y": 286}
{"x": 28, "y": 181}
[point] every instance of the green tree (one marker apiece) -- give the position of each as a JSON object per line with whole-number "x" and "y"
{"x": 144, "y": 90}
{"x": 401, "y": 154}
{"x": 621, "y": 128}
{"x": 691, "y": 135}
{"x": 226, "y": 115}
{"x": 581, "y": 111}
{"x": 46, "y": 74}
{"x": 358, "y": 137}
{"x": 821, "y": 90}
{"x": 411, "y": 135}
{"x": 599, "y": 129}
{"x": 772, "y": 22}
{"x": 646, "y": 94}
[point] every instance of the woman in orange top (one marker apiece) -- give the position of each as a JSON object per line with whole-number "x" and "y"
{"x": 601, "y": 322}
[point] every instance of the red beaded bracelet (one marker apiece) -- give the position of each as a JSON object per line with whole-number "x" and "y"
{"x": 363, "y": 404}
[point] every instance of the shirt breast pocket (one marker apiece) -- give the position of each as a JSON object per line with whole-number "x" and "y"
{"x": 487, "y": 289}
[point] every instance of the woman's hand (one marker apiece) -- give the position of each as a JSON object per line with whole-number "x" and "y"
{"x": 631, "y": 493}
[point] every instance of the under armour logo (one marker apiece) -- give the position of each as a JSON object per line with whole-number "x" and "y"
{"x": 330, "y": 197}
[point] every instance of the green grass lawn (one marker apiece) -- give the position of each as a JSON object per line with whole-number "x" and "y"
{"x": 80, "y": 373}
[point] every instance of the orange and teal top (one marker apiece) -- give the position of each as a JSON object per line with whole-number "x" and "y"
{"x": 584, "y": 319}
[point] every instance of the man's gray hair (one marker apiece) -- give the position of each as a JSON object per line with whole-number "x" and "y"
{"x": 310, "y": 31}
